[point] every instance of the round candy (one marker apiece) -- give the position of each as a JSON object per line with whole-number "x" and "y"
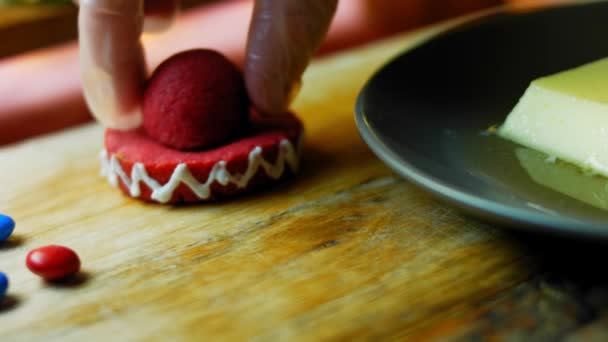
{"x": 3, "y": 284}
{"x": 195, "y": 100}
{"x": 7, "y": 225}
{"x": 53, "y": 262}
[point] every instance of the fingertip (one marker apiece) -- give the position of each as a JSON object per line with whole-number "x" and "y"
{"x": 115, "y": 103}
{"x": 294, "y": 92}
{"x": 123, "y": 122}
{"x": 270, "y": 95}
{"x": 283, "y": 37}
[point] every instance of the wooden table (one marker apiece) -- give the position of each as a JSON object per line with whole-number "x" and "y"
{"x": 347, "y": 250}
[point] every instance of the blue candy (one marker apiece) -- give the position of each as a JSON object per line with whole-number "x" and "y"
{"x": 7, "y": 225}
{"x": 3, "y": 284}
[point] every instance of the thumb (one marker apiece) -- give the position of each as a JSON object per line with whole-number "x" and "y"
{"x": 282, "y": 39}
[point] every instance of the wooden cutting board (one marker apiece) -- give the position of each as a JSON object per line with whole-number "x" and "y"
{"x": 345, "y": 250}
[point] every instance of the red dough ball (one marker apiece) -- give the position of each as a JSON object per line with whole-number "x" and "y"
{"x": 53, "y": 262}
{"x": 195, "y": 99}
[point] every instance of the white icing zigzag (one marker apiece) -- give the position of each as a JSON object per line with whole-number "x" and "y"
{"x": 113, "y": 171}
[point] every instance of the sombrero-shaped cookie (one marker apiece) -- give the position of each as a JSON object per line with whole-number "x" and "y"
{"x": 200, "y": 140}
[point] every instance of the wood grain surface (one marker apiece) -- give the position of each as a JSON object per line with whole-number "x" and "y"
{"x": 345, "y": 251}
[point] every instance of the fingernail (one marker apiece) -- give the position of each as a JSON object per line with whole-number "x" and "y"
{"x": 294, "y": 92}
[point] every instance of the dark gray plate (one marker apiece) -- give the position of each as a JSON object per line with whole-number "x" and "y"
{"x": 425, "y": 112}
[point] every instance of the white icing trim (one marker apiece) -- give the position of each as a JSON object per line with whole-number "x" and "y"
{"x": 113, "y": 171}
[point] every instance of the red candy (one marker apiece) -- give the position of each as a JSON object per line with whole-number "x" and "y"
{"x": 195, "y": 99}
{"x": 53, "y": 262}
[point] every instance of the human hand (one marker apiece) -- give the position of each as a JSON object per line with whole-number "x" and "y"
{"x": 282, "y": 39}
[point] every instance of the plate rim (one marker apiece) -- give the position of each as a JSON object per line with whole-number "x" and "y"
{"x": 479, "y": 206}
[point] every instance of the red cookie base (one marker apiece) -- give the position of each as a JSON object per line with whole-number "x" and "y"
{"x": 160, "y": 162}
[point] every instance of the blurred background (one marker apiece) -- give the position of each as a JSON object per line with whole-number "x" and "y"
{"x": 30, "y": 24}
{"x": 36, "y": 2}
{"x": 40, "y": 88}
